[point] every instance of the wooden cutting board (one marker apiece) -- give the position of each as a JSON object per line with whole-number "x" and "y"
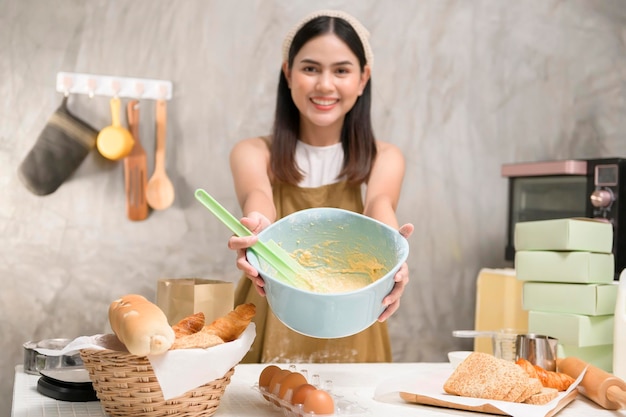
{"x": 486, "y": 408}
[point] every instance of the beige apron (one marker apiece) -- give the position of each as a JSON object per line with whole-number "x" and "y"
{"x": 276, "y": 343}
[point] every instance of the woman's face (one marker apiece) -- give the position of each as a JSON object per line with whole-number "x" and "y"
{"x": 325, "y": 81}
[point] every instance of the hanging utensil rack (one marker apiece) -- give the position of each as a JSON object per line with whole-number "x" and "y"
{"x": 113, "y": 86}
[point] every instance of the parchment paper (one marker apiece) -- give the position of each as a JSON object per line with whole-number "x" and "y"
{"x": 431, "y": 385}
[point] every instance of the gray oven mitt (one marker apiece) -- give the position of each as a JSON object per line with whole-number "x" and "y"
{"x": 62, "y": 145}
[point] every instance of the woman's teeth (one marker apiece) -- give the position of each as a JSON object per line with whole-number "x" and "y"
{"x": 323, "y": 102}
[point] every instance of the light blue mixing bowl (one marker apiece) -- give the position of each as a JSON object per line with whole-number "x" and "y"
{"x": 339, "y": 314}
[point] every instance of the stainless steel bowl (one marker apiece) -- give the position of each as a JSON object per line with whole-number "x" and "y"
{"x": 34, "y": 362}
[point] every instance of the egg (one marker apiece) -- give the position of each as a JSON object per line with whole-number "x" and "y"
{"x": 299, "y": 394}
{"x": 266, "y": 375}
{"x": 265, "y": 378}
{"x": 318, "y": 402}
{"x": 290, "y": 382}
{"x": 278, "y": 376}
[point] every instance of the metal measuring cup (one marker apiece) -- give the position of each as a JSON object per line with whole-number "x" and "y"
{"x": 537, "y": 349}
{"x": 502, "y": 340}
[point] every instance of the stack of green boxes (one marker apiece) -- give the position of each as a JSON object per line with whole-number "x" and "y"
{"x": 569, "y": 290}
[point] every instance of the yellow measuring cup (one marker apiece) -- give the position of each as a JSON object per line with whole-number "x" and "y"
{"x": 115, "y": 142}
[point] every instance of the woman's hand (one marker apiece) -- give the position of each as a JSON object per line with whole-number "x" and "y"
{"x": 255, "y": 222}
{"x": 392, "y": 300}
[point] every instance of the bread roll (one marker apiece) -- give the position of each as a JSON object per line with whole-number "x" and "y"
{"x": 140, "y": 325}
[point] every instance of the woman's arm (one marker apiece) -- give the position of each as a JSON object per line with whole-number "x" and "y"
{"x": 249, "y": 164}
{"x": 384, "y": 184}
{"x": 381, "y": 200}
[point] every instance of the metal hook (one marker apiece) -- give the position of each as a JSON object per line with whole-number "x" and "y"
{"x": 139, "y": 89}
{"x": 67, "y": 84}
{"x": 91, "y": 86}
{"x": 163, "y": 91}
{"x": 115, "y": 86}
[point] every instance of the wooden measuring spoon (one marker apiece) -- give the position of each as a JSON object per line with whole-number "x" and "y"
{"x": 160, "y": 191}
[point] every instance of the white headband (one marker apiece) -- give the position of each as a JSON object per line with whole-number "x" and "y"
{"x": 356, "y": 25}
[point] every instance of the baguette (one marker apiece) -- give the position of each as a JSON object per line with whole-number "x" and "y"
{"x": 140, "y": 325}
{"x": 549, "y": 379}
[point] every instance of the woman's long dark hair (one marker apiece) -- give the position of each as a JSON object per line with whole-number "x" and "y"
{"x": 357, "y": 135}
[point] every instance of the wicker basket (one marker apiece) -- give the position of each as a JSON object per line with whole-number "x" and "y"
{"x": 127, "y": 386}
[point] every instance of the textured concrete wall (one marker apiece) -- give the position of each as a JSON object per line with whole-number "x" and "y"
{"x": 461, "y": 86}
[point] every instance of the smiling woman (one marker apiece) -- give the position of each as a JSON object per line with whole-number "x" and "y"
{"x": 324, "y": 84}
{"x": 461, "y": 87}
{"x": 321, "y": 153}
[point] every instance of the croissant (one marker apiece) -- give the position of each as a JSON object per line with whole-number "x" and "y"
{"x": 549, "y": 379}
{"x": 198, "y": 340}
{"x": 230, "y": 326}
{"x": 189, "y": 325}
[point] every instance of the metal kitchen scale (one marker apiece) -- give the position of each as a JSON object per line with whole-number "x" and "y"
{"x": 67, "y": 385}
{"x": 63, "y": 377}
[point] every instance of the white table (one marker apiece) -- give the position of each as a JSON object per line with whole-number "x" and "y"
{"x": 355, "y": 382}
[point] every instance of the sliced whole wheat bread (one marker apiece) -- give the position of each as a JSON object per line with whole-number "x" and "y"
{"x": 482, "y": 375}
{"x": 545, "y": 396}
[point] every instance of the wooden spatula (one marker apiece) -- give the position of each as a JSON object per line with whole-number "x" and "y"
{"x": 135, "y": 169}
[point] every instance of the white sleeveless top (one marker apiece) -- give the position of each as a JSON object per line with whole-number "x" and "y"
{"x": 319, "y": 164}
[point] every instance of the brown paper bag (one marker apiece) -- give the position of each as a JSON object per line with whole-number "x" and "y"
{"x": 182, "y": 297}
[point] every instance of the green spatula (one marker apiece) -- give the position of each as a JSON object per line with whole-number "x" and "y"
{"x": 288, "y": 269}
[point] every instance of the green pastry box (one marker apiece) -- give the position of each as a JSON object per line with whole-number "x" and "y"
{"x": 599, "y": 356}
{"x": 586, "y": 299}
{"x": 554, "y": 266}
{"x": 573, "y": 329}
{"x": 568, "y": 234}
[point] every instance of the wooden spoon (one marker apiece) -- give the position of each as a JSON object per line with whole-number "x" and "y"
{"x": 160, "y": 191}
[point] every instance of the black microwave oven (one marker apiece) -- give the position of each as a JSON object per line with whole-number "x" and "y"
{"x": 569, "y": 188}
